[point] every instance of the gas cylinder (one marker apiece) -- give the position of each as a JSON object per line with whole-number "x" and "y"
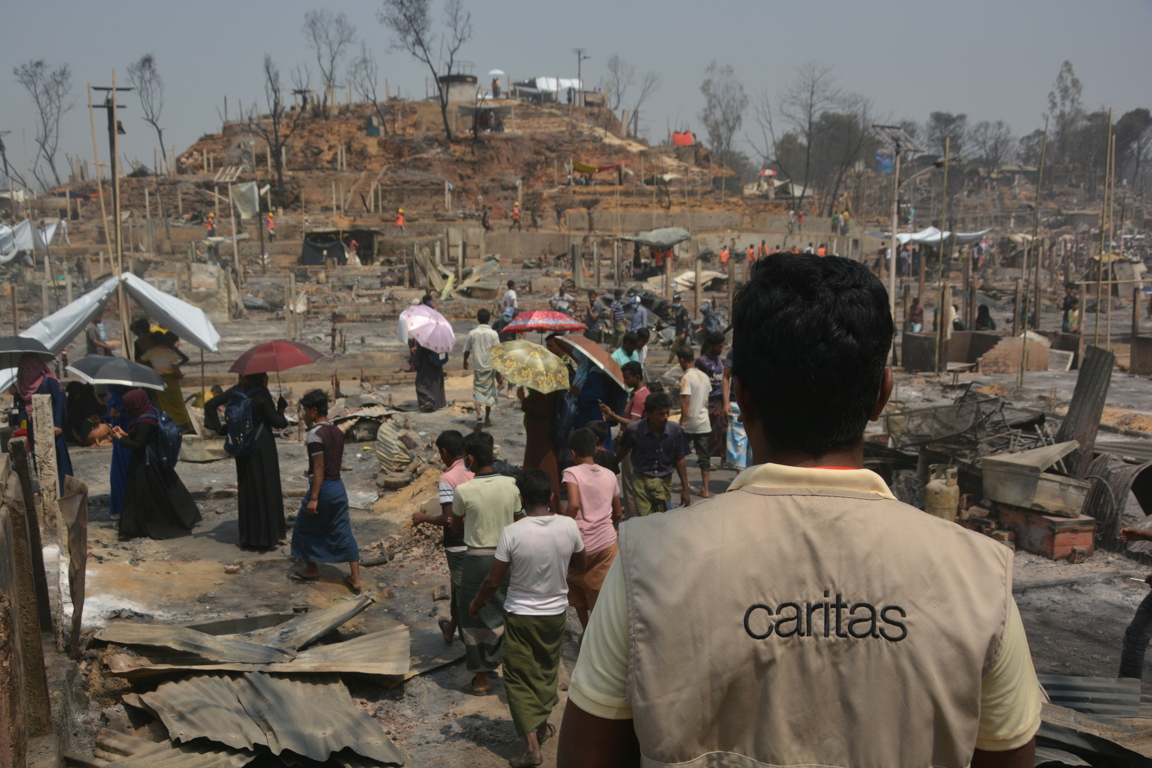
{"x": 942, "y": 496}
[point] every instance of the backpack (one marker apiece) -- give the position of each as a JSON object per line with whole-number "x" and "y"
{"x": 243, "y": 431}
{"x": 168, "y": 442}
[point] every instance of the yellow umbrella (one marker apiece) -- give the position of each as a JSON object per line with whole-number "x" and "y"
{"x": 529, "y": 365}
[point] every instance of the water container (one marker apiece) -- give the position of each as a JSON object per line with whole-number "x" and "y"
{"x": 942, "y": 496}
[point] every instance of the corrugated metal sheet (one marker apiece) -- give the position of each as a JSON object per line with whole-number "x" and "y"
{"x": 1104, "y": 696}
{"x": 1083, "y": 419}
{"x": 168, "y": 755}
{"x": 379, "y": 653}
{"x": 184, "y": 639}
{"x": 199, "y": 706}
{"x": 1112, "y": 479}
{"x": 1123, "y": 743}
{"x": 308, "y": 627}
{"x": 311, "y": 716}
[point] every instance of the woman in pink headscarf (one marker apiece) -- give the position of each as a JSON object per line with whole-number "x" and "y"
{"x": 33, "y": 377}
{"x": 156, "y": 503}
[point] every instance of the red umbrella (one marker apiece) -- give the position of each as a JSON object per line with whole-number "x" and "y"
{"x": 278, "y": 355}
{"x": 550, "y": 322}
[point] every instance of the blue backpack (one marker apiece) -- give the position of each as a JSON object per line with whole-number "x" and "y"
{"x": 169, "y": 441}
{"x": 243, "y": 431}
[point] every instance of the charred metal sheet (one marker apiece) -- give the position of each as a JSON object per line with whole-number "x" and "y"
{"x": 1104, "y": 696}
{"x": 1052, "y": 756}
{"x": 1130, "y": 451}
{"x": 309, "y": 627}
{"x": 191, "y": 641}
{"x": 1122, "y": 743}
{"x": 379, "y": 653}
{"x": 313, "y": 716}
{"x": 241, "y": 624}
{"x": 1112, "y": 479}
{"x": 1083, "y": 418}
{"x": 205, "y": 706}
{"x": 198, "y": 755}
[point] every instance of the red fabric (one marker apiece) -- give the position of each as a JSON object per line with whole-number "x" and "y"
{"x": 682, "y": 139}
{"x": 277, "y": 355}
{"x": 723, "y": 255}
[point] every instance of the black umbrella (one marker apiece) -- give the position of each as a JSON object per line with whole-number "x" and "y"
{"x": 12, "y": 348}
{"x": 101, "y": 369}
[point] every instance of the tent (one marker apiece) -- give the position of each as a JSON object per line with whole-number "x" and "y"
{"x": 931, "y": 236}
{"x": 313, "y": 254}
{"x": 659, "y": 238}
{"x": 58, "y": 329}
{"x": 24, "y": 237}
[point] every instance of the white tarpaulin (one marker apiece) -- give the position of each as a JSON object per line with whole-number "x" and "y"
{"x": 58, "y": 329}
{"x": 552, "y": 84}
{"x": 931, "y": 236}
{"x": 186, "y": 321}
{"x": 7, "y": 244}
{"x": 23, "y": 237}
{"x": 246, "y": 196}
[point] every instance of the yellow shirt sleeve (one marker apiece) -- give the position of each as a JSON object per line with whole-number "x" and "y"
{"x": 599, "y": 683}
{"x": 1009, "y": 693}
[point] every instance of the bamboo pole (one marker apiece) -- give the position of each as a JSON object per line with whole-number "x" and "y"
{"x": 941, "y": 315}
{"x": 1103, "y": 232}
{"x": 1028, "y": 252}
{"x": 1111, "y": 231}
{"x": 99, "y": 181}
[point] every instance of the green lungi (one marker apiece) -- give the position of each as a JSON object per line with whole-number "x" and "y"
{"x": 455, "y": 569}
{"x": 483, "y": 637}
{"x": 532, "y": 667}
{"x": 484, "y": 389}
{"x": 652, "y": 494}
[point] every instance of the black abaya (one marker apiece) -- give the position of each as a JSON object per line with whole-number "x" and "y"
{"x": 259, "y": 497}
{"x": 429, "y": 379}
{"x": 156, "y": 503}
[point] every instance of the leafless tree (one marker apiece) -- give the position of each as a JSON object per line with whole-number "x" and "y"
{"x": 149, "y": 87}
{"x": 410, "y": 22}
{"x": 993, "y": 141}
{"x": 649, "y": 84}
{"x": 811, "y": 92}
{"x": 942, "y": 126}
{"x": 328, "y": 34}
{"x": 365, "y": 75}
{"x": 51, "y": 91}
{"x": 277, "y": 126}
{"x": 724, "y": 105}
{"x": 620, "y": 75}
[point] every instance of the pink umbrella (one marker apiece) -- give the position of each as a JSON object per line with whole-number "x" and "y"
{"x": 430, "y": 329}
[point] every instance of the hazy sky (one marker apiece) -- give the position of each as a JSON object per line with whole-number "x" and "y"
{"x": 987, "y": 58}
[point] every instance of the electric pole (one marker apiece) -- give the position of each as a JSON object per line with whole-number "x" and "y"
{"x": 115, "y": 129}
{"x": 580, "y": 59}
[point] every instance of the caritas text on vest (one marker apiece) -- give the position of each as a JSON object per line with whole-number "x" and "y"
{"x": 831, "y": 619}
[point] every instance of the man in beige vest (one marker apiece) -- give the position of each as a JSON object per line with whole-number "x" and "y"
{"x": 805, "y": 617}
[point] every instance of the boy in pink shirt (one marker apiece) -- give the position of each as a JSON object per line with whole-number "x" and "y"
{"x": 594, "y": 501}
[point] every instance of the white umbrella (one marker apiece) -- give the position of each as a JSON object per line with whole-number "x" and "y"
{"x": 496, "y": 72}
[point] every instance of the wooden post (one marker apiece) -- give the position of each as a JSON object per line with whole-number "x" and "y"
{"x": 44, "y": 431}
{"x": 1019, "y": 322}
{"x": 235, "y": 244}
{"x": 577, "y": 266}
{"x": 216, "y": 202}
{"x": 22, "y": 468}
{"x": 669, "y": 257}
{"x": 731, "y": 279}
{"x": 699, "y": 289}
{"x": 616, "y": 262}
{"x": 907, "y": 304}
{"x": 596, "y": 261}
{"x": 148, "y": 222}
{"x": 68, "y": 285}
{"x": 44, "y": 287}
{"x": 15, "y": 309}
{"x": 1135, "y": 315}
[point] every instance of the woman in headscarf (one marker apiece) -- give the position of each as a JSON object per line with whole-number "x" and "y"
{"x": 86, "y": 416}
{"x": 156, "y": 503}
{"x": 33, "y": 377}
{"x": 118, "y": 474}
{"x": 259, "y": 497}
{"x": 166, "y": 360}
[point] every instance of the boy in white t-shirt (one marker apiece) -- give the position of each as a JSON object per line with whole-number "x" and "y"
{"x": 538, "y": 549}
{"x": 695, "y": 388}
{"x": 594, "y": 502}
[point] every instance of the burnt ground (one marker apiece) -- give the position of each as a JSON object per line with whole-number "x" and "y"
{"x": 1075, "y": 614}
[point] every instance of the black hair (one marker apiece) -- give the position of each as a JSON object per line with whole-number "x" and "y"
{"x": 483, "y": 316}
{"x": 686, "y": 353}
{"x": 426, "y": 298}
{"x": 478, "y": 445}
{"x": 811, "y": 340}
{"x": 598, "y": 429}
{"x": 582, "y": 442}
{"x": 316, "y": 398}
{"x": 630, "y": 338}
{"x": 511, "y": 283}
{"x": 140, "y": 326}
{"x": 713, "y": 338}
{"x": 643, "y": 334}
{"x": 982, "y": 311}
{"x": 158, "y": 337}
{"x": 451, "y": 442}
{"x": 535, "y": 486}
{"x": 171, "y": 339}
{"x": 657, "y": 401}
{"x": 618, "y": 292}
{"x": 632, "y": 368}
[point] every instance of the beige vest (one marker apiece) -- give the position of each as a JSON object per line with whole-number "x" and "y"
{"x": 815, "y": 627}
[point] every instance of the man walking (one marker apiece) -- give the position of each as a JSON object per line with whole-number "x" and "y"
{"x": 532, "y": 558}
{"x": 634, "y": 411}
{"x": 594, "y": 317}
{"x": 694, "y": 389}
{"x": 510, "y": 296}
{"x": 481, "y": 508}
{"x": 682, "y": 325}
{"x": 711, "y": 361}
{"x": 400, "y": 222}
{"x": 657, "y": 447}
{"x": 616, "y": 310}
{"x": 594, "y": 503}
{"x": 450, "y": 444}
{"x": 515, "y": 218}
{"x": 804, "y": 623}
{"x": 485, "y": 387}
{"x": 639, "y": 315}
{"x": 95, "y": 338}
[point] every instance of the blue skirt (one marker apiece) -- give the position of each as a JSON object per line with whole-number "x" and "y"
{"x": 325, "y": 537}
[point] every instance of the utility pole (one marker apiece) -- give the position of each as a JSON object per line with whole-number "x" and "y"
{"x": 901, "y": 142}
{"x": 580, "y": 59}
{"x": 115, "y": 128}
